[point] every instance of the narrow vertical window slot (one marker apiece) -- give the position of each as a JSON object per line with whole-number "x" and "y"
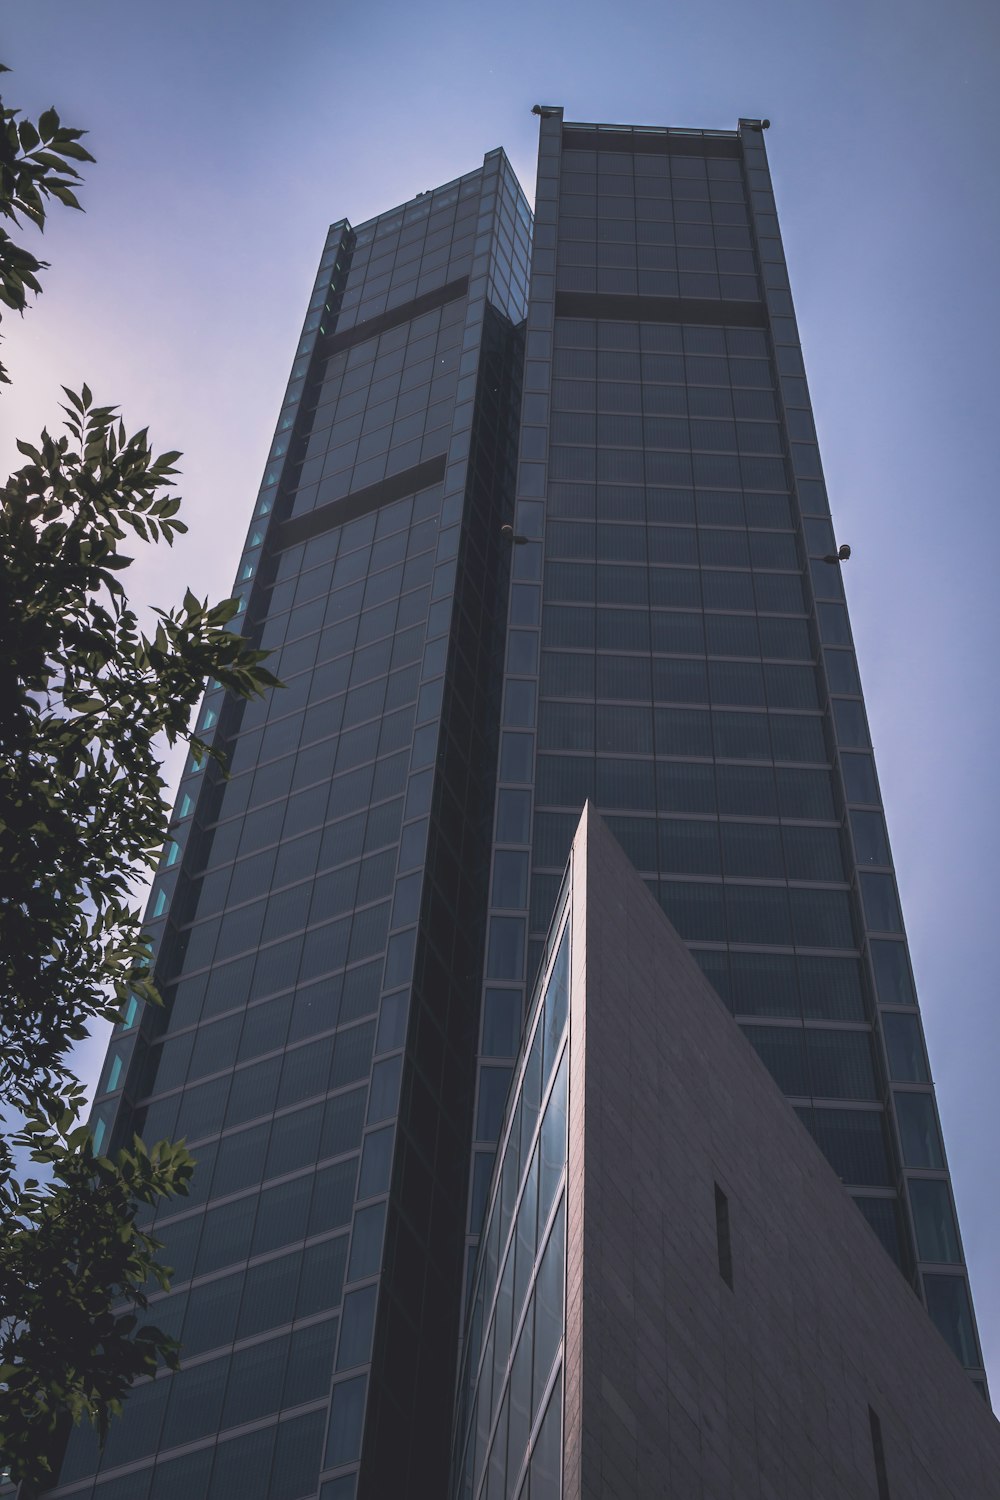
{"x": 878, "y": 1452}
{"x": 723, "y": 1238}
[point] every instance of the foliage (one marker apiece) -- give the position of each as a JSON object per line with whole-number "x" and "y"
{"x": 87, "y": 701}
{"x": 36, "y": 163}
{"x": 84, "y": 696}
{"x": 70, "y": 1279}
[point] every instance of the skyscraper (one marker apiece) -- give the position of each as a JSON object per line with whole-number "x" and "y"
{"x": 489, "y": 604}
{"x": 678, "y": 626}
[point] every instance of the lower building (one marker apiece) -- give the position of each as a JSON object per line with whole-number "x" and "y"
{"x": 675, "y": 1294}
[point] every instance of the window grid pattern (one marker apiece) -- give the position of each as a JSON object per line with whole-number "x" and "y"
{"x": 453, "y": 755}
{"x": 680, "y": 652}
{"x": 122, "y": 1062}
{"x": 385, "y": 405}
{"x": 411, "y": 250}
{"x": 290, "y": 942}
{"x": 878, "y": 911}
{"x": 516, "y": 1319}
{"x": 679, "y": 649}
{"x": 654, "y": 224}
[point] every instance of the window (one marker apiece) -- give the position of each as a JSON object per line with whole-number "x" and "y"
{"x": 621, "y": 678}
{"x": 798, "y": 737}
{"x": 564, "y": 782}
{"x": 625, "y": 784}
{"x": 254, "y": 1386}
{"x": 566, "y": 726}
{"x": 790, "y": 686}
{"x": 840, "y": 1064}
{"x": 813, "y": 853}
{"x": 195, "y": 1404}
{"x": 831, "y": 988}
{"x": 881, "y": 903}
{"x": 493, "y": 1085}
{"x": 546, "y": 1457}
{"x": 853, "y": 1141}
{"x": 510, "y": 879}
{"x": 282, "y": 1218}
{"x": 892, "y": 972}
{"x": 552, "y": 1145}
{"x": 878, "y": 1453}
{"x": 821, "y": 919}
{"x": 683, "y": 731}
{"x": 621, "y": 729}
{"x": 804, "y": 794}
{"x": 356, "y": 1324}
{"x": 548, "y": 1299}
{"x": 949, "y": 1307}
{"x": 211, "y": 1314}
{"x": 780, "y": 1050}
{"x": 859, "y": 778}
{"x": 322, "y": 1276}
{"x": 758, "y": 914}
{"x": 689, "y": 846}
{"x": 736, "y": 682}
{"x": 567, "y": 674}
{"x": 849, "y": 718}
{"x": 732, "y": 635}
{"x": 746, "y": 791}
{"x": 904, "y": 1047}
{"x": 740, "y": 736}
{"x": 934, "y": 1221}
{"x": 513, "y": 813}
{"x": 763, "y": 984}
{"x": 870, "y": 840}
{"x": 501, "y": 1022}
{"x": 882, "y": 1216}
{"x": 842, "y": 671}
{"x": 918, "y": 1130}
{"x": 346, "y": 1414}
{"x": 696, "y": 910}
{"x": 722, "y": 1236}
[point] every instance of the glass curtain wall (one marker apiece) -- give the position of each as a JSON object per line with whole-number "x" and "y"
{"x": 320, "y": 910}
{"x": 509, "y": 1418}
{"x": 679, "y": 651}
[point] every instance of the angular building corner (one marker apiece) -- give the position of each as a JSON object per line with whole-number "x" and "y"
{"x": 675, "y": 1294}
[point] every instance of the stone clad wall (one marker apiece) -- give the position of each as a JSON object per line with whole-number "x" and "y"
{"x": 676, "y": 1384}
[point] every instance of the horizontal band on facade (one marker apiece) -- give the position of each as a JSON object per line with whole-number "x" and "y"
{"x": 639, "y": 309}
{"x": 393, "y": 316}
{"x": 372, "y": 497}
{"x": 667, "y": 144}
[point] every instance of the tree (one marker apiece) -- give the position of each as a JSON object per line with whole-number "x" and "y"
{"x": 87, "y": 701}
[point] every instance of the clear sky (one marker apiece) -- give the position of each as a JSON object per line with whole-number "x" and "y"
{"x": 229, "y": 135}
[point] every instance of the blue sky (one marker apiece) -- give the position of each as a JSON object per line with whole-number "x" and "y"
{"x": 229, "y": 135}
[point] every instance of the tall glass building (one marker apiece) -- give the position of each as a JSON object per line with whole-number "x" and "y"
{"x": 542, "y": 522}
{"x": 679, "y": 652}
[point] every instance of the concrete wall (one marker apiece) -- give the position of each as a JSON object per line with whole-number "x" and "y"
{"x": 676, "y": 1385}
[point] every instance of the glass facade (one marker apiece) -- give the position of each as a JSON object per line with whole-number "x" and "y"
{"x": 680, "y": 653}
{"x": 508, "y": 1424}
{"x": 348, "y": 924}
{"x": 320, "y": 913}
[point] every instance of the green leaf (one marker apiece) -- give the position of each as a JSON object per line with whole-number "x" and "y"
{"x": 64, "y": 194}
{"x": 86, "y": 707}
{"x": 73, "y": 149}
{"x": 48, "y": 124}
